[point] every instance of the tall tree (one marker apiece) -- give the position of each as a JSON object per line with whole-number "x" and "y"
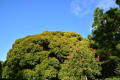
{"x": 106, "y": 34}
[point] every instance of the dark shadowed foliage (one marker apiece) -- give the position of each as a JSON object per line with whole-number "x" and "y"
{"x": 106, "y": 34}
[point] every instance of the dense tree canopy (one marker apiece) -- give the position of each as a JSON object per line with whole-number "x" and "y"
{"x": 106, "y": 34}
{"x": 47, "y": 55}
{"x": 81, "y": 64}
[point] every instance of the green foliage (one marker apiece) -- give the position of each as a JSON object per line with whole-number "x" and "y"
{"x": 118, "y": 47}
{"x": 7, "y": 73}
{"x": 106, "y": 37}
{"x": 39, "y": 56}
{"x": 81, "y": 64}
{"x": 117, "y": 70}
{"x": 44, "y": 56}
{"x": 26, "y": 74}
{"x": 46, "y": 70}
{"x": 112, "y": 79}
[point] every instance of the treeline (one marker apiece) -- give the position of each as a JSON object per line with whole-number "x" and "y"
{"x": 66, "y": 55}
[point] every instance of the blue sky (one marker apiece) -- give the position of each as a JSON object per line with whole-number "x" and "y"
{"x": 19, "y": 18}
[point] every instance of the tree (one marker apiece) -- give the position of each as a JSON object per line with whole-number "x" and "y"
{"x": 40, "y": 56}
{"x": 105, "y": 33}
{"x": 81, "y": 64}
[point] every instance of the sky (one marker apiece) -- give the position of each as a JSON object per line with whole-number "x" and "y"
{"x": 19, "y": 18}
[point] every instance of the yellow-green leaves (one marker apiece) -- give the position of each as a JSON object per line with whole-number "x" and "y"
{"x": 118, "y": 47}
{"x": 39, "y": 57}
{"x": 81, "y": 63}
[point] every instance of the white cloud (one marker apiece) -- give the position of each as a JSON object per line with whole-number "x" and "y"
{"x": 83, "y": 7}
{"x": 75, "y": 7}
{"x": 106, "y": 4}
